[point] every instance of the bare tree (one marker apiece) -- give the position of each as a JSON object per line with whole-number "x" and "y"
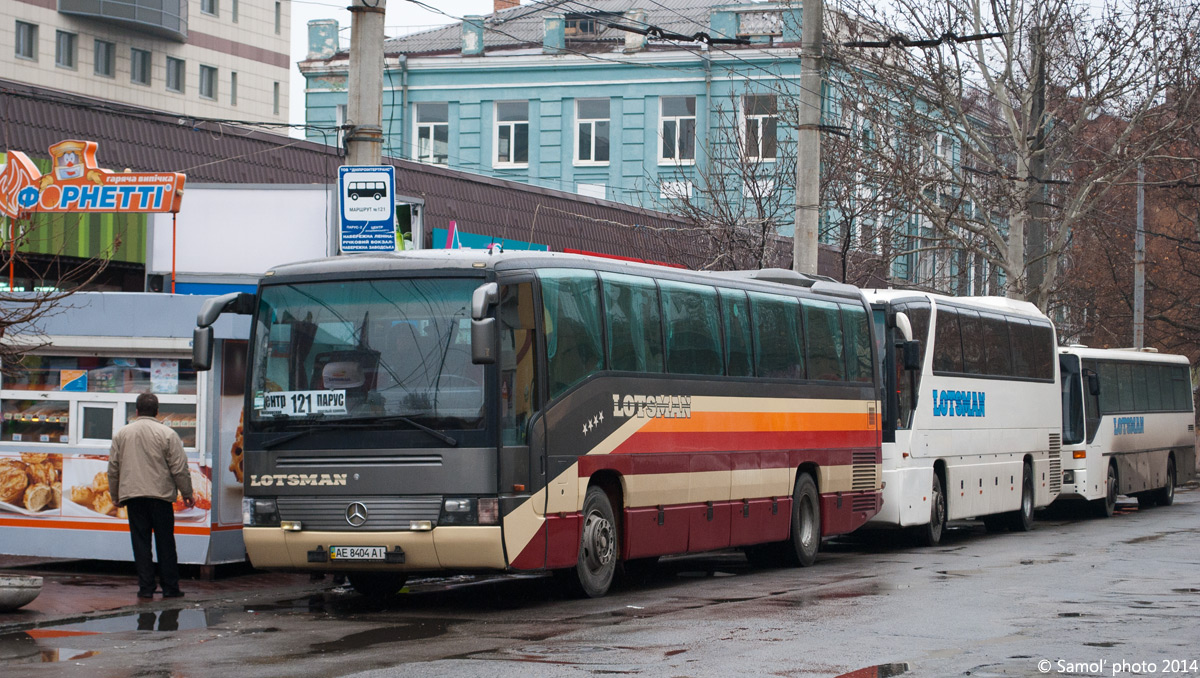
{"x": 1001, "y": 158}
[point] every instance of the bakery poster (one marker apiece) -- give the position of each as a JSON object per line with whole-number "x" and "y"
{"x": 59, "y": 487}
{"x": 228, "y": 468}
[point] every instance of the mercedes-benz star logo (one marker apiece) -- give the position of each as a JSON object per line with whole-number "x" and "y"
{"x": 356, "y": 514}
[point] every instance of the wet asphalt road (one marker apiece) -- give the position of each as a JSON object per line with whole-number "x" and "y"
{"x": 1082, "y": 594}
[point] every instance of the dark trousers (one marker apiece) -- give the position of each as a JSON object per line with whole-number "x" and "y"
{"x": 147, "y": 515}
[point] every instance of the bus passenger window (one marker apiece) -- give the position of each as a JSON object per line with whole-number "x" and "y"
{"x": 572, "y": 307}
{"x": 693, "y": 328}
{"x": 518, "y": 359}
{"x": 1109, "y": 402}
{"x": 823, "y": 335}
{"x": 1154, "y": 394}
{"x": 858, "y": 343}
{"x": 947, "y": 345}
{"x": 1042, "y": 352}
{"x": 1125, "y": 387}
{"x": 634, "y": 328}
{"x": 735, "y": 313}
{"x": 777, "y": 336}
{"x": 996, "y": 349}
{"x": 972, "y": 342}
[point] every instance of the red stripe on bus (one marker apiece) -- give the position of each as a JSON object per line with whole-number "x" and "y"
{"x": 694, "y": 462}
{"x": 733, "y": 441}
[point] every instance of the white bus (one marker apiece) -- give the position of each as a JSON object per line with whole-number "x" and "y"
{"x": 971, "y": 418}
{"x": 1128, "y": 426}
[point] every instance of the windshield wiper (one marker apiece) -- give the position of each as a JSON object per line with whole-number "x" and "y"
{"x": 358, "y": 422}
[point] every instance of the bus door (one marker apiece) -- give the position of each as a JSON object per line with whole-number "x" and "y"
{"x": 522, "y": 426}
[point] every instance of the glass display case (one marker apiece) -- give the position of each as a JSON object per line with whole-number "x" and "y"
{"x": 180, "y": 417}
{"x": 35, "y": 421}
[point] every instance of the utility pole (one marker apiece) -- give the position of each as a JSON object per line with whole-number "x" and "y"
{"x": 808, "y": 140}
{"x": 1036, "y": 252}
{"x": 364, "y": 114}
{"x": 1139, "y": 265}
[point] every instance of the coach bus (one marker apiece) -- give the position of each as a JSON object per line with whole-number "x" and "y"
{"x": 1128, "y": 426}
{"x": 477, "y": 410}
{"x": 971, "y": 425}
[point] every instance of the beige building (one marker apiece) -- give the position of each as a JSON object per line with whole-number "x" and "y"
{"x": 225, "y": 59}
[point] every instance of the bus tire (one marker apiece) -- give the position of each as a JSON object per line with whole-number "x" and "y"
{"x": 1021, "y": 520}
{"x": 1165, "y": 496}
{"x": 805, "y": 539}
{"x": 1105, "y": 507}
{"x": 598, "y": 542}
{"x": 930, "y": 534}
{"x": 377, "y": 585}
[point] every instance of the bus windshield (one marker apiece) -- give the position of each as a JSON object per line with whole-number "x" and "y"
{"x": 363, "y": 350}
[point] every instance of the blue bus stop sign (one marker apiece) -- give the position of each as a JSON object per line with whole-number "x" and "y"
{"x": 368, "y": 208}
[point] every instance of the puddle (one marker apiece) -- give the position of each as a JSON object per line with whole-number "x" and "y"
{"x": 28, "y": 648}
{"x": 1143, "y": 540}
{"x": 390, "y": 634}
{"x": 879, "y": 671}
{"x": 48, "y": 644}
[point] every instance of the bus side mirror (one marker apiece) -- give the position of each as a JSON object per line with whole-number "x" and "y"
{"x": 1093, "y": 380}
{"x": 484, "y": 297}
{"x": 912, "y": 355}
{"x": 202, "y": 348}
{"x": 483, "y": 341}
{"x": 903, "y": 325}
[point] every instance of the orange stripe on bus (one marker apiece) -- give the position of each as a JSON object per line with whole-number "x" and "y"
{"x": 762, "y": 421}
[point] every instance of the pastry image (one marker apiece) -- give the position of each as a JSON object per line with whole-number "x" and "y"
{"x": 42, "y": 472}
{"x": 56, "y": 502}
{"x": 82, "y": 495}
{"x": 103, "y": 504}
{"x": 13, "y": 482}
{"x": 37, "y": 457}
{"x": 37, "y": 497}
{"x": 95, "y": 496}
{"x": 236, "y": 452}
{"x": 100, "y": 482}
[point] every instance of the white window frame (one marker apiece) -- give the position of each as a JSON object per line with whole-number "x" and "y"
{"x": 675, "y": 190}
{"x": 180, "y": 76}
{"x": 591, "y": 124}
{"x": 134, "y": 58}
{"x": 663, "y": 119}
{"x": 754, "y": 146}
{"x": 512, "y": 135}
{"x": 214, "y": 75}
{"x": 68, "y": 57}
{"x": 26, "y": 46}
{"x": 430, "y": 127}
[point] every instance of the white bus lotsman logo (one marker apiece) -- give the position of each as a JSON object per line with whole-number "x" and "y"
{"x": 356, "y": 514}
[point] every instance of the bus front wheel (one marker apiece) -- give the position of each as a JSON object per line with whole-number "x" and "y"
{"x": 378, "y": 585}
{"x": 930, "y": 534}
{"x": 1104, "y": 507}
{"x": 598, "y": 546}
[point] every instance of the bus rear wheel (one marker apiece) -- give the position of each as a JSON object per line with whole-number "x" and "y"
{"x": 930, "y": 534}
{"x": 598, "y": 546}
{"x": 806, "y": 522}
{"x": 1021, "y": 520}
{"x": 1166, "y": 496}
{"x": 378, "y": 585}
{"x": 1105, "y": 507}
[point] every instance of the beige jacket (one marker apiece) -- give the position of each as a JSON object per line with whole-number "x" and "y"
{"x": 146, "y": 460}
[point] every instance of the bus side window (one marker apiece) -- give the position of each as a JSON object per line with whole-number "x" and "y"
{"x": 735, "y": 312}
{"x": 858, "y": 343}
{"x": 1091, "y": 401}
{"x": 634, "y": 327}
{"x": 693, "y": 328}
{"x": 972, "y": 342}
{"x": 518, "y": 361}
{"x": 573, "y": 326}
{"x": 1154, "y": 394}
{"x": 823, "y": 340}
{"x": 777, "y": 336}
{"x": 996, "y": 349}
{"x": 947, "y": 347}
{"x": 1021, "y": 334}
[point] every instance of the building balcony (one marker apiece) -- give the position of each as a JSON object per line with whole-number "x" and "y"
{"x": 163, "y": 18}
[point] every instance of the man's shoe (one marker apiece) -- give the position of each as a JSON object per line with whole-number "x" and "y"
{"x": 145, "y": 595}
{"x": 173, "y": 594}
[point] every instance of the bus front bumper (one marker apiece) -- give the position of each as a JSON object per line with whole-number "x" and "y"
{"x": 442, "y": 548}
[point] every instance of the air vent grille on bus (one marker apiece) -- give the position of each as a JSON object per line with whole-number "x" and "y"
{"x": 1055, "y": 463}
{"x": 383, "y": 513}
{"x": 863, "y": 502}
{"x": 864, "y": 472}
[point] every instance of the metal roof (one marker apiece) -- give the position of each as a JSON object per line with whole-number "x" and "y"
{"x": 523, "y": 25}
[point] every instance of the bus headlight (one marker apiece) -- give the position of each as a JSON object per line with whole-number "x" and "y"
{"x": 470, "y": 511}
{"x": 1068, "y": 477}
{"x": 258, "y": 512}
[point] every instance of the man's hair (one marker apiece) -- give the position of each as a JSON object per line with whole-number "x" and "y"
{"x": 147, "y": 405}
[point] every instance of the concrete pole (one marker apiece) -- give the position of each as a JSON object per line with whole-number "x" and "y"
{"x": 1035, "y": 254}
{"x": 808, "y": 140}
{"x": 364, "y": 114}
{"x": 1139, "y": 265}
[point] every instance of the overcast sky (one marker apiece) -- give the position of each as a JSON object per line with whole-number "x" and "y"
{"x": 403, "y": 17}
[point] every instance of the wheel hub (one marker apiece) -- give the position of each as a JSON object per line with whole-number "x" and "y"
{"x": 597, "y": 542}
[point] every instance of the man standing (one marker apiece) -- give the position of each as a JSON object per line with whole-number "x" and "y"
{"x": 146, "y": 469}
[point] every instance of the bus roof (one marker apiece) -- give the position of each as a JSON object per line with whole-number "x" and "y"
{"x": 470, "y": 260}
{"x": 1124, "y": 354}
{"x": 1003, "y": 304}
